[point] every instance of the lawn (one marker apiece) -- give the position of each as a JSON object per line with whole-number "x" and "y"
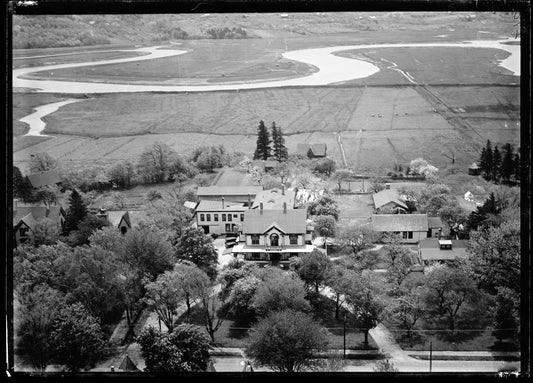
{"x": 234, "y": 333}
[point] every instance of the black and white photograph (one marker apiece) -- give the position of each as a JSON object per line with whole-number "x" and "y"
{"x": 258, "y": 192}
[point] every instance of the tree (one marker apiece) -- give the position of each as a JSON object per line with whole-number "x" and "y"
{"x": 207, "y": 158}
{"x": 385, "y": 366}
{"x": 193, "y": 282}
{"x": 154, "y": 163}
{"x": 196, "y": 246}
{"x": 419, "y": 166}
{"x": 494, "y": 256}
{"x": 325, "y": 167}
{"x": 507, "y": 167}
{"x": 41, "y": 162}
{"x": 121, "y": 173}
{"x": 505, "y": 317}
{"x": 279, "y": 149}
{"x": 21, "y": 185}
{"x": 76, "y": 212}
{"x": 77, "y": 338}
{"x": 408, "y": 308}
{"x": 48, "y": 195}
{"x": 147, "y": 252}
{"x": 325, "y": 227}
{"x": 34, "y": 319}
{"x": 400, "y": 265}
{"x": 262, "y": 151}
{"x": 233, "y": 271}
{"x": 454, "y": 216}
{"x": 239, "y": 302}
{"x": 517, "y": 167}
{"x": 45, "y": 232}
{"x": 286, "y": 341}
{"x": 324, "y": 205}
{"x": 164, "y": 295}
{"x": 362, "y": 298}
{"x": 186, "y": 349}
{"x": 107, "y": 238}
{"x": 496, "y": 164}
{"x": 339, "y": 280}
{"x": 280, "y": 291}
{"x": 213, "y": 318}
{"x": 353, "y": 238}
{"x": 376, "y": 184}
{"x": 313, "y": 269}
{"x": 86, "y": 227}
{"x": 485, "y": 214}
{"x": 340, "y": 176}
{"x": 485, "y": 161}
{"x": 447, "y": 290}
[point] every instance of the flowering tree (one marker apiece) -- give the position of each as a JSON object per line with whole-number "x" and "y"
{"x": 420, "y": 166}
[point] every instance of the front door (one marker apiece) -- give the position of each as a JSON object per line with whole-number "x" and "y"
{"x": 274, "y": 240}
{"x": 274, "y": 259}
{"x": 206, "y": 229}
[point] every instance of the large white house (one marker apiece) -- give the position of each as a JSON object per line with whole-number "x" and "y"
{"x": 272, "y": 236}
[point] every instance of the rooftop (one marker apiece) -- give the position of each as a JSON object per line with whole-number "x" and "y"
{"x": 217, "y": 206}
{"x": 385, "y": 196}
{"x": 274, "y": 199}
{"x": 435, "y": 222}
{"x": 430, "y": 250}
{"x": 292, "y": 221}
{"x": 49, "y": 177}
{"x": 316, "y": 149}
{"x": 37, "y": 212}
{"x": 228, "y": 190}
{"x": 399, "y": 222}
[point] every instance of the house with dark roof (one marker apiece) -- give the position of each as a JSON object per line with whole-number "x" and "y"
{"x": 272, "y": 236}
{"x": 50, "y": 177}
{"x": 116, "y": 218}
{"x": 311, "y": 150}
{"x": 388, "y": 201}
{"x": 443, "y": 250}
{"x": 240, "y": 194}
{"x": 26, "y": 217}
{"x": 220, "y": 217}
{"x": 411, "y": 227}
{"x": 275, "y": 199}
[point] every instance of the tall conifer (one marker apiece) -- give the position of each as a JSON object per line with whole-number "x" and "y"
{"x": 262, "y": 151}
{"x": 496, "y": 164}
{"x": 485, "y": 162}
{"x": 517, "y": 167}
{"x": 280, "y": 151}
{"x": 507, "y": 162}
{"x": 77, "y": 211}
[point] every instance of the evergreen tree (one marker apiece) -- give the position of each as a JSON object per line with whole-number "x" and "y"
{"x": 280, "y": 151}
{"x": 507, "y": 162}
{"x": 262, "y": 151}
{"x": 485, "y": 162}
{"x": 496, "y": 164}
{"x": 505, "y": 321}
{"x": 21, "y": 186}
{"x": 480, "y": 217}
{"x": 517, "y": 167}
{"x": 77, "y": 211}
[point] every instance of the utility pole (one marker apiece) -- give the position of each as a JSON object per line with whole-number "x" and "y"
{"x": 430, "y": 355}
{"x": 344, "y": 335}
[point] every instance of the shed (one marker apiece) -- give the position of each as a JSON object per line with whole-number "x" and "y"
{"x": 474, "y": 169}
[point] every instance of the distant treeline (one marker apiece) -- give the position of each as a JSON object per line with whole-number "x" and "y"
{"x": 85, "y": 30}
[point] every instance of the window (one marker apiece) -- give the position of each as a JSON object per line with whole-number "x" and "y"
{"x": 202, "y": 217}
{"x": 208, "y": 216}
{"x": 229, "y": 217}
{"x": 407, "y": 234}
{"x": 294, "y": 239}
{"x": 242, "y": 217}
{"x": 255, "y": 239}
{"x": 223, "y": 217}
{"x": 228, "y": 228}
{"x": 123, "y": 230}
{"x": 215, "y": 216}
{"x": 235, "y": 215}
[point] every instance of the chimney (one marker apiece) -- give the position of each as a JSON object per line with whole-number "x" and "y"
{"x": 222, "y": 202}
{"x": 284, "y": 207}
{"x": 283, "y": 189}
{"x": 387, "y": 186}
{"x": 249, "y": 201}
{"x": 261, "y": 207}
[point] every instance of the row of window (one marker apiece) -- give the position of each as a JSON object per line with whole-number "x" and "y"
{"x": 274, "y": 239}
{"x": 225, "y": 217}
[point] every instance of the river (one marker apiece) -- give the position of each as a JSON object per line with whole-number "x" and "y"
{"x": 331, "y": 69}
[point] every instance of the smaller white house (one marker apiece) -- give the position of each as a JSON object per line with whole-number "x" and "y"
{"x": 220, "y": 217}
{"x": 410, "y": 227}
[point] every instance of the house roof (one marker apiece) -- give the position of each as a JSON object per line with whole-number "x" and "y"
{"x": 474, "y": 166}
{"x": 115, "y": 216}
{"x": 316, "y": 149}
{"x": 137, "y": 216}
{"x": 293, "y": 221}
{"x": 274, "y": 199}
{"x": 37, "y": 212}
{"x": 435, "y": 222}
{"x": 28, "y": 220}
{"x": 217, "y": 206}
{"x": 265, "y": 164}
{"x": 190, "y": 205}
{"x": 386, "y": 196}
{"x": 228, "y": 190}
{"x": 400, "y": 222}
{"x": 49, "y": 177}
{"x": 430, "y": 250}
